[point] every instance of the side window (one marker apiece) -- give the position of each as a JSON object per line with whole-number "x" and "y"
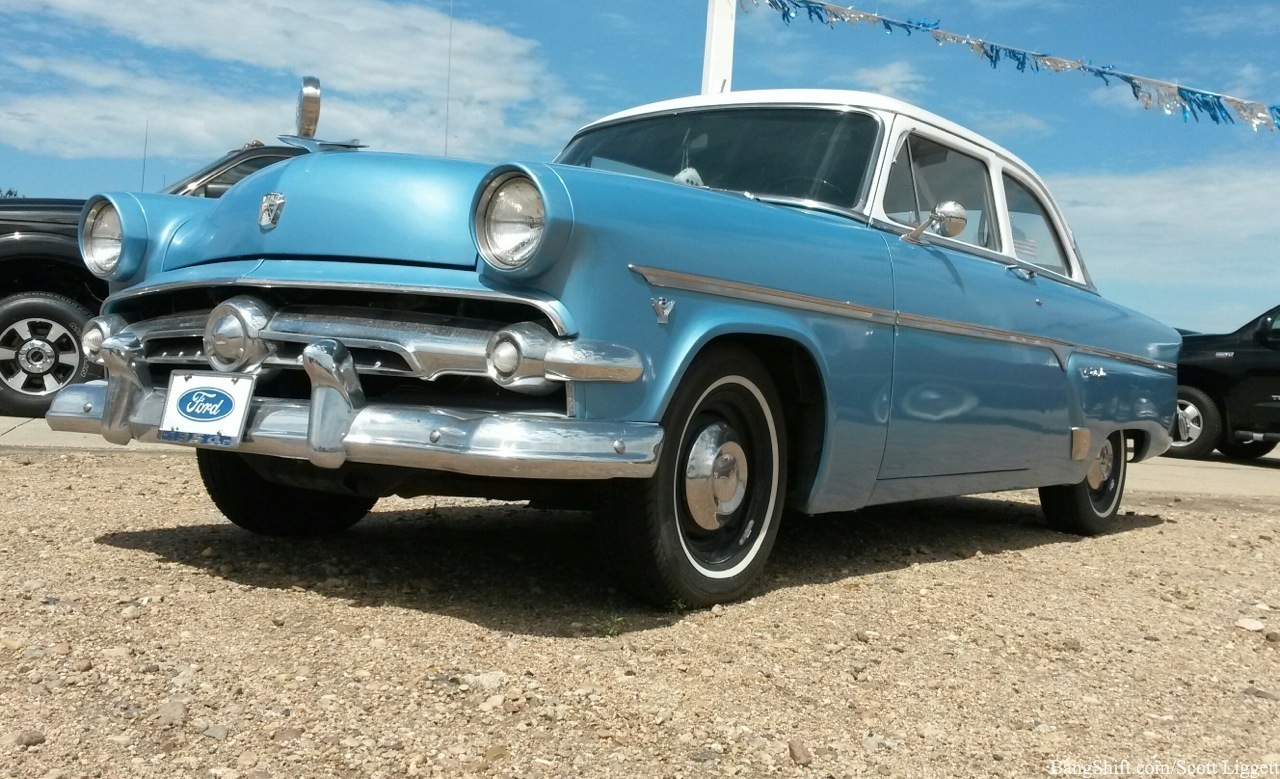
{"x": 219, "y": 184}
{"x": 1034, "y": 238}
{"x": 926, "y": 173}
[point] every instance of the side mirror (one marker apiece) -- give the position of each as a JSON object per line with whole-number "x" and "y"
{"x": 949, "y": 217}
{"x": 308, "y": 107}
{"x": 1267, "y": 331}
{"x": 215, "y": 189}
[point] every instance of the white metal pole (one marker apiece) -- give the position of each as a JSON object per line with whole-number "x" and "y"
{"x": 717, "y": 58}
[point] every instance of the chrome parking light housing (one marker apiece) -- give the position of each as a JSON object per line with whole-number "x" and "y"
{"x": 516, "y": 358}
{"x": 233, "y": 334}
{"x": 96, "y": 332}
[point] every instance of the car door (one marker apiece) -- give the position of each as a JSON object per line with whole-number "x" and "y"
{"x": 973, "y": 392}
{"x": 1253, "y": 404}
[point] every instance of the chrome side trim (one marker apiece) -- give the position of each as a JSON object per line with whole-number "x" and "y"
{"x": 552, "y": 308}
{"x": 455, "y": 440}
{"x": 1062, "y": 350}
{"x": 739, "y": 291}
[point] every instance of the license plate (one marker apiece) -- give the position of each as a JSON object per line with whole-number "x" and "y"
{"x": 206, "y": 408}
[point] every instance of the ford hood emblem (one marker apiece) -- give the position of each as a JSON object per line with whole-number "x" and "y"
{"x": 205, "y": 404}
{"x": 269, "y": 211}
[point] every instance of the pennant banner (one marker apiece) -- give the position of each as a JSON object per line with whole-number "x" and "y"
{"x": 1169, "y": 97}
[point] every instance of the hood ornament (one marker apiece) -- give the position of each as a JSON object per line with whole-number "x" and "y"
{"x": 269, "y": 211}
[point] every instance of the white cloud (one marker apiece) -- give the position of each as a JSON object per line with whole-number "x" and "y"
{"x": 898, "y": 79}
{"x": 1119, "y": 96}
{"x": 1191, "y": 245}
{"x": 385, "y": 69}
{"x": 1009, "y": 123}
{"x": 1264, "y": 19}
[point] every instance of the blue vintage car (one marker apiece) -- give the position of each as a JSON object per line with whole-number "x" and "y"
{"x": 704, "y": 313}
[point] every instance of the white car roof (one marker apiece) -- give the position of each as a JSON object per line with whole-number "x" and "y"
{"x": 819, "y": 98}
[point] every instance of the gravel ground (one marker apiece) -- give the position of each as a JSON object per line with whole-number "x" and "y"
{"x": 141, "y": 635}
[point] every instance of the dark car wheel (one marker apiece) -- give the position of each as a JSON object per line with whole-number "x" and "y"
{"x": 1246, "y": 450}
{"x": 39, "y": 350}
{"x": 1089, "y": 507}
{"x": 699, "y": 531}
{"x": 271, "y": 509}
{"x": 1197, "y": 429}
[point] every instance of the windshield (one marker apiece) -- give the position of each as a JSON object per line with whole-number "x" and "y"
{"x": 811, "y": 154}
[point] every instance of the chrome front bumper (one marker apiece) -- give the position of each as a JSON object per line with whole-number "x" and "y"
{"x": 336, "y": 425}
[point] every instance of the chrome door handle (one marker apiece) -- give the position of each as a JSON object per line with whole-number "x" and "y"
{"x": 1021, "y": 271}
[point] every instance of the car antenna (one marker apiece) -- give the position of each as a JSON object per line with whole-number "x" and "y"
{"x": 448, "y": 74}
{"x": 146, "y": 136}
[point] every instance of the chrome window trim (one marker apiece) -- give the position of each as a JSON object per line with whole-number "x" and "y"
{"x": 1066, "y": 241}
{"x": 554, "y": 310}
{"x": 981, "y": 253}
{"x": 1062, "y": 350}
{"x": 861, "y": 206}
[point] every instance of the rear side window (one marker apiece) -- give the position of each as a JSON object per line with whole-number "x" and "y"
{"x": 1034, "y": 238}
{"x": 926, "y": 173}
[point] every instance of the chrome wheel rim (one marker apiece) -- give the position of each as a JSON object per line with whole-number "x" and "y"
{"x": 38, "y": 356}
{"x": 1190, "y": 424}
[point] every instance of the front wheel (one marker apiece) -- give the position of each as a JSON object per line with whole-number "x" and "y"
{"x": 699, "y": 530}
{"x": 1197, "y": 429}
{"x": 1090, "y": 506}
{"x": 271, "y": 509}
{"x": 39, "y": 350}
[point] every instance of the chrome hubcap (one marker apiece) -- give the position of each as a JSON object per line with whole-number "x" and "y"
{"x": 715, "y": 477}
{"x": 1102, "y": 467}
{"x": 37, "y": 357}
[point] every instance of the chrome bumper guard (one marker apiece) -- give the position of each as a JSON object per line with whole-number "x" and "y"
{"x": 337, "y": 425}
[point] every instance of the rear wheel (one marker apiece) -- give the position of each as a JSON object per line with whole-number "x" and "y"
{"x": 39, "y": 350}
{"x": 271, "y": 509}
{"x": 1246, "y": 450}
{"x": 699, "y": 531}
{"x": 1197, "y": 429}
{"x": 1090, "y": 506}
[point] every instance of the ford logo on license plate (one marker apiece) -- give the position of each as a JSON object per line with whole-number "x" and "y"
{"x": 205, "y": 404}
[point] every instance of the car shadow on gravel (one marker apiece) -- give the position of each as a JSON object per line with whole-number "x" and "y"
{"x": 527, "y": 571}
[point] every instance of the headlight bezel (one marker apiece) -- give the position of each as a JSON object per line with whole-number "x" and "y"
{"x": 128, "y": 214}
{"x": 94, "y": 246}
{"x": 501, "y": 193}
{"x": 557, "y": 221}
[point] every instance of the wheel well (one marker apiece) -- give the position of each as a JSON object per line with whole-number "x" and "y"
{"x": 48, "y": 274}
{"x": 801, "y": 389}
{"x": 1207, "y": 382}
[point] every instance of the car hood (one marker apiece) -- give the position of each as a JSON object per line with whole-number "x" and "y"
{"x": 344, "y": 206}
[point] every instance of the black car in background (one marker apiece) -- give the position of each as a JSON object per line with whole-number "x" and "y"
{"x": 47, "y": 294}
{"x": 1229, "y": 392}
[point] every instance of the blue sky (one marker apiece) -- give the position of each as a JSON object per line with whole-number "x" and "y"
{"x": 1178, "y": 220}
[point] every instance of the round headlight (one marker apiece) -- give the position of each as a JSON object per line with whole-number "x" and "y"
{"x": 512, "y": 221}
{"x": 102, "y": 239}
